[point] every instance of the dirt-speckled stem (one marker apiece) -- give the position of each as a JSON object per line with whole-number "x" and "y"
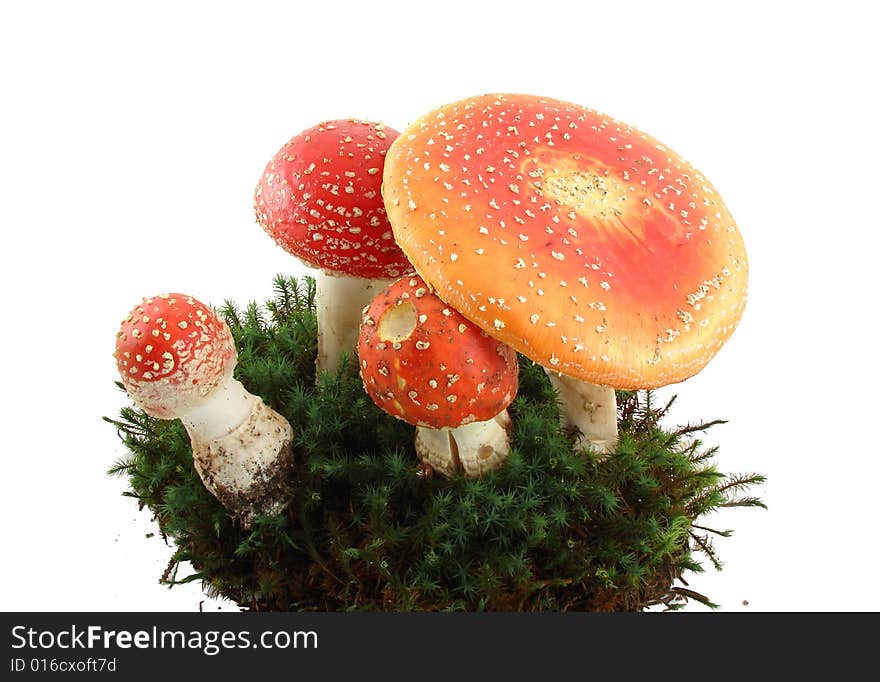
{"x": 241, "y": 450}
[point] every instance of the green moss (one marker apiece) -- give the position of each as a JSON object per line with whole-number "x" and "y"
{"x": 554, "y": 529}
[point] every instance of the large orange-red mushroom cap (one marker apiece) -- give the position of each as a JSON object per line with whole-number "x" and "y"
{"x": 583, "y": 243}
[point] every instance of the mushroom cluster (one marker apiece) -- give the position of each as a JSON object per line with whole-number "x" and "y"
{"x": 583, "y": 243}
{"x": 424, "y": 363}
{"x": 493, "y": 225}
{"x": 320, "y": 199}
{"x": 176, "y": 358}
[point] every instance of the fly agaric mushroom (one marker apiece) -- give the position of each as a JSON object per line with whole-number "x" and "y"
{"x": 422, "y": 362}
{"x": 320, "y": 200}
{"x": 176, "y": 358}
{"x": 585, "y": 244}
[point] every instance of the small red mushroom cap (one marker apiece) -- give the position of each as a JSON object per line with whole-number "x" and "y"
{"x": 422, "y": 362}
{"x": 320, "y": 199}
{"x": 171, "y": 351}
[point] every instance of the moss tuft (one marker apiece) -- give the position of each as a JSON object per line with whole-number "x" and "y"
{"x": 554, "y": 529}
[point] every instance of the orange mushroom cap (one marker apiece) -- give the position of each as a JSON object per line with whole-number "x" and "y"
{"x": 424, "y": 363}
{"x": 583, "y": 243}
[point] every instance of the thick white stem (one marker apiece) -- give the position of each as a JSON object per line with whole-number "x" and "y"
{"x": 221, "y": 411}
{"x": 590, "y": 409}
{"x": 340, "y": 300}
{"x": 474, "y": 448}
{"x": 241, "y": 449}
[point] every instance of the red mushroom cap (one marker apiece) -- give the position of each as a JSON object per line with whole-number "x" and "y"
{"x": 171, "y": 351}
{"x": 585, "y": 244}
{"x": 422, "y": 362}
{"x": 320, "y": 199}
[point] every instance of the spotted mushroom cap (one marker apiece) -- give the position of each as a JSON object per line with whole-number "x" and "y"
{"x": 171, "y": 351}
{"x": 585, "y": 244}
{"x": 320, "y": 199}
{"x": 422, "y": 362}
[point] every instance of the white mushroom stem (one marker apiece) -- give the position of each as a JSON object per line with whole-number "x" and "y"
{"x": 221, "y": 412}
{"x": 340, "y": 300}
{"x": 589, "y": 408}
{"x": 473, "y": 448}
{"x": 241, "y": 449}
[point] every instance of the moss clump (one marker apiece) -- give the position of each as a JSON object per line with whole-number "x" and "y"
{"x": 554, "y": 529}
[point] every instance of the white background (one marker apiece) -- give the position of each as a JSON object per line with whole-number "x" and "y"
{"x": 131, "y": 138}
